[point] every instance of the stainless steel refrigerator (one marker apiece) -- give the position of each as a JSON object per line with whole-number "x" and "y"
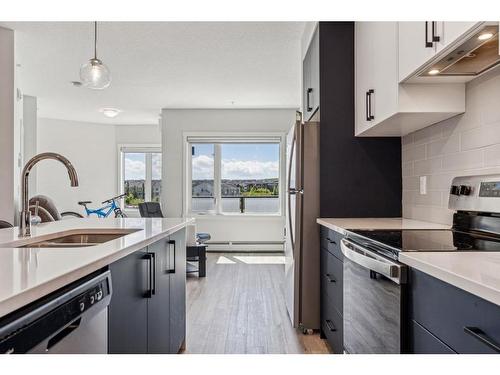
{"x": 302, "y": 253}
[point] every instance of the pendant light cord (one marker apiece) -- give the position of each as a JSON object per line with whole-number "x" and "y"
{"x": 95, "y": 39}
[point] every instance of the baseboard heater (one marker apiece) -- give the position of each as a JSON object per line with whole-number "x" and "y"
{"x": 246, "y": 246}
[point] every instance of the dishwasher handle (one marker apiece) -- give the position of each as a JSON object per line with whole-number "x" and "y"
{"x": 374, "y": 262}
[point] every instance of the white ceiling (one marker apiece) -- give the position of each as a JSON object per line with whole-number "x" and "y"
{"x": 158, "y": 65}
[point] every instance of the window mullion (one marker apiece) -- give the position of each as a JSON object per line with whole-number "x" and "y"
{"x": 217, "y": 178}
{"x": 149, "y": 173}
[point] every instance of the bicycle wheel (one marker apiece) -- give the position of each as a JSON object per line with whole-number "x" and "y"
{"x": 119, "y": 214}
{"x": 70, "y": 214}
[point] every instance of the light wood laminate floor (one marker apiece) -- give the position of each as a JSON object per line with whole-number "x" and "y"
{"x": 240, "y": 308}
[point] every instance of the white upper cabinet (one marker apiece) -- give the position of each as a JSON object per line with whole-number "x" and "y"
{"x": 420, "y": 42}
{"x": 384, "y": 107}
{"x": 376, "y": 74}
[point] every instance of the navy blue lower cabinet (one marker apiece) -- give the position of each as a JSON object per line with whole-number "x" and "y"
{"x": 461, "y": 321}
{"x": 424, "y": 342}
{"x": 128, "y": 309}
{"x": 147, "y": 312}
{"x": 331, "y": 268}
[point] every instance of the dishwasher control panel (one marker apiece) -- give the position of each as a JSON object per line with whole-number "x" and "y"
{"x": 49, "y": 319}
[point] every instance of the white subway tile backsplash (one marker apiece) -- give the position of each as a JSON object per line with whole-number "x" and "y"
{"x": 411, "y": 183}
{"x": 463, "y": 145}
{"x": 428, "y": 166}
{"x": 427, "y": 134}
{"x": 407, "y": 169}
{"x": 443, "y": 146}
{"x": 432, "y": 198}
{"x": 492, "y": 156}
{"x": 412, "y": 153}
{"x": 463, "y": 160}
{"x": 481, "y": 137}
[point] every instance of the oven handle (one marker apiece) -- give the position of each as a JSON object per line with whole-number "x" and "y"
{"x": 368, "y": 259}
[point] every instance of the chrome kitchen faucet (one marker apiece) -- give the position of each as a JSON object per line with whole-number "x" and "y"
{"x": 25, "y": 217}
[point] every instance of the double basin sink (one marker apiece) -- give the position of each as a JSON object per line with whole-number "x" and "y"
{"x": 77, "y": 238}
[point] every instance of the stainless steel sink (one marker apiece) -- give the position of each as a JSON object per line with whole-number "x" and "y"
{"x": 80, "y": 239}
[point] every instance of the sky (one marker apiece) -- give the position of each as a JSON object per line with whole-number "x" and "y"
{"x": 239, "y": 161}
{"x": 135, "y": 166}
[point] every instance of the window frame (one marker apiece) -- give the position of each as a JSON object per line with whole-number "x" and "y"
{"x": 217, "y": 139}
{"x": 148, "y": 149}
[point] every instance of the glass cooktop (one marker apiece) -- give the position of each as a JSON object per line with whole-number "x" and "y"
{"x": 428, "y": 240}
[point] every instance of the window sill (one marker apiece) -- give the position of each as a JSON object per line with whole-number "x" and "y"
{"x": 232, "y": 215}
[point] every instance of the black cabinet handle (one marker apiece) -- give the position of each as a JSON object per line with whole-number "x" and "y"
{"x": 330, "y": 325}
{"x": 479, "y": 335}
{"x": 172, "y": 270}
{"x": 329, "y": 278}
{"x": 331, "y": 241}
{"x": 370, "y": 115}
{"x": 367, "y": 99}
{"x": 309, "y": 91}
{"x": 428, "y": 44}
{"x": 150, "y": 257}
{"x": 435, "y": 38}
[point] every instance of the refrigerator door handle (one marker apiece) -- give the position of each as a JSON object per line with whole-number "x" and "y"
{"x": 290, "y": 189}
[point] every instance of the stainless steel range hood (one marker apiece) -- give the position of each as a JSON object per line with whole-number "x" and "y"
{"x": 473, "y": 57}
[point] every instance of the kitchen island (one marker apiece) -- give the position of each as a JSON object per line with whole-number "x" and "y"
{"x": 145, "y": 257}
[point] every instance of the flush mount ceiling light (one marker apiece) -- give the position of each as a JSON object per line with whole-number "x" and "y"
{"x": 485, "y": 36}
{"x": 94, "y": 74}
{"x": 433, "y": 72}
{"x": 110, "y": 112}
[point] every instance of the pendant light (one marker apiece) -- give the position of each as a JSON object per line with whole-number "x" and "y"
{"x": 94, "y": 74}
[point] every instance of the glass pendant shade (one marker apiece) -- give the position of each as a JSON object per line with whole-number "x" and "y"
{"x": 95, "y": 75}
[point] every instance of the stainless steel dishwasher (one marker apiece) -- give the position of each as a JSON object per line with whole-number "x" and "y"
{"x": 374, "y": 300}
{"x": 72, "y": 320}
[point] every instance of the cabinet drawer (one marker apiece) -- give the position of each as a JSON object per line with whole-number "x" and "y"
{"x": 332, "y": 326}
{"x": 330, "y": 241}
{"x": 331, "y": 280}
{"x": 464, "y": 322}
{"x": 424, "y": 342}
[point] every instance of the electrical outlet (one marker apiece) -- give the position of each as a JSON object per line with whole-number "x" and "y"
{"x": 423, "y": 185}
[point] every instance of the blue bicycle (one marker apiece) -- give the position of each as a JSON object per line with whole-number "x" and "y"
{"x": 109, "y": 207}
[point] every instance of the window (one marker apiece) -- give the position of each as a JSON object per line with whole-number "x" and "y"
{"x": 141, "y": 175}
{"x": 235, "y": 177}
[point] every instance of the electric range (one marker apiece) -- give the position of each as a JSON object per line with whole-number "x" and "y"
{"x": 476, "y": 223}
{"x": 374, "y": 281}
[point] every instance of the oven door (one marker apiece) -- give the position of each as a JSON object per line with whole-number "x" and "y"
{"x": 373, "y": 301}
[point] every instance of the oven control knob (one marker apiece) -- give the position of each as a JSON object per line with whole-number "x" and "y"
{"x": 465, "y": 190}
{"x": 455, "y": 190}
{"x": 82, "y": 306}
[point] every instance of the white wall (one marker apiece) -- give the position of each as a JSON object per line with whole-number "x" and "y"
{"x": 176, "y": 122}
{"x": 93, "y": 150}
{"x": 468, "y": 144}
{"x": 6, "y": 124}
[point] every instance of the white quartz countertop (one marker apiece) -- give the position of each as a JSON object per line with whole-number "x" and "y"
{"x": 343, "y": 224}
{"x": 476, "y": 272}
{"x": 27, "y": 274}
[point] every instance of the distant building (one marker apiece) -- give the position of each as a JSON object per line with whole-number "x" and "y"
{"x": 203, "y": 188}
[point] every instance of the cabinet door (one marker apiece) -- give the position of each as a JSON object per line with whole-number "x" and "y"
{"x": 306, "y": 86}
{"x": 364, "y": 72}
{"x": 384, "y": 65}
{"x": 159, "y": 303}
{"x": 127, "y": 312}
{"x": 450, "y": 31}
{"x": 315, "y": 94}
{"x": 413, "y": 50}
{"x": 177, "y": 256}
